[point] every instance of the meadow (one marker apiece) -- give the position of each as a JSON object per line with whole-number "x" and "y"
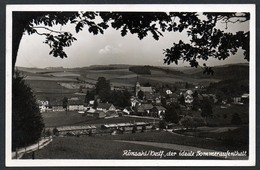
{"x": 92, "y": 148}
{"x": 55, "y": 119}
{"x": 110, "y": 147}
{"x": 44, "y": 82}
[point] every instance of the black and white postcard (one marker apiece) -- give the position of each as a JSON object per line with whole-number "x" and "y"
{"x": 130, "y": 85}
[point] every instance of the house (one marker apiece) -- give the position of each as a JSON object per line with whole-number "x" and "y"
{"x": 56, "y": 106}
{"x": 106, "y": 107}
{"x": 111, "y": 113}
{"x": 188, "y": 97}
{"x": 158, "y": 111}
{"x": 245, "y": 98}
{"x": 168, "y": 91}
{"x": 128, "y": 110}
{"x": 144, "y": 109}
{"x": 75, "y": 105}
{"x": 173, "y": 97}
{"x": 43, "y": 105}
{"x": 134, "y": 101}
{"x": 152, "y": 97}
{"x": 99, "y": 114}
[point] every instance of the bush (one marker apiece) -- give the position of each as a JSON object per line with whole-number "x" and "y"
{"x": 134, "y": 129}
{"x": 187, "y": 122}
{"x": 143, "y": 128}
{"x": 162, "y": 124}
{"x": 198, "y": 121}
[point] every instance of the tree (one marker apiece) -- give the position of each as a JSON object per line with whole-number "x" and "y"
{"x": 95, "y": 104}
{"x": 182, "y": 99}
{"x": 206, "y": 39}
{"x": 195, "y": 94}
{"x": 163, "y": 101}
{"x": 65, "y": 103}
{"x": 187, "y": 122}
{"x": 103, "y": 89}
{"x": 162, "y": 124}
{"x": 172, "y": 113}
{"x": 206, "y": 108}
{"x": 140, "y": 95}
{"x": 90, "y": 95}
{"x": 27, "y": 122}
{"x": 120, "y": 98}
{"x": 196, "y": 104}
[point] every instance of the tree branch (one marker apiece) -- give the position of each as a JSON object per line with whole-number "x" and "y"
{"x": 47, "y": 29}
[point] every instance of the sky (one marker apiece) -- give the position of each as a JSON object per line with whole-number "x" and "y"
{"x": 111, "y": 48}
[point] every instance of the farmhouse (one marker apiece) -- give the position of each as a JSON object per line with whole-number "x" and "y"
{"x": 56, "y": 105}
{"x": 188, "y": 97}
{"x": 134, "y": 101}
{"x": 99, "y": 114}
{"x": 96, "y": 113}
{"x": 75, "y": 105}
{"x": 111, "y": 113}
{"x": 128, "y": 110}
{"x": 158, "y": 111}
{"x": 43, "y": 105}
{"x": 144, "y": 109}
{"x": 106, "y": 107}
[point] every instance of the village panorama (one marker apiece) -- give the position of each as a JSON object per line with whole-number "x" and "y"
{"x": 122, "y": 111}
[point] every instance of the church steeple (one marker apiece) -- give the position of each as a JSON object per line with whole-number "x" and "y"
{"x": 137, "y": 88}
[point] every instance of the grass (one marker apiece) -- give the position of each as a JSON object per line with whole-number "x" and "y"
{"x": 50, "y": 89}
{"x": 242, "y": 110}
{"x": 166, "y": 137}
{"x": 95, "y": 148}
{"x": 53, "y": 119}
{"x": 235, "y": 138}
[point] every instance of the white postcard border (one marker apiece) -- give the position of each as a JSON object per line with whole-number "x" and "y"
{"x": 138, "y": 7}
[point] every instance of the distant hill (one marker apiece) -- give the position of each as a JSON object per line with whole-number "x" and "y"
{"x": 226, "y": 72}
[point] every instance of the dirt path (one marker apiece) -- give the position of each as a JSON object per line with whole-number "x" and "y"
{"x": 41, "y": 144}
{"x": 183, "y": 148}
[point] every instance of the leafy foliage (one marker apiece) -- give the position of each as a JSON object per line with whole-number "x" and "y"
{"x": 172, "y": 113}
{"x": 27, "y": 122}
{"x": 120, "y": 98}
{"x": 206, "y": 40}
{"x": 206, "y": 108}
{"x": 187, "y": 122}
{"x": 140, "y": 95}
{"x": 103, "y": 89}
{"x": 65, "y": 103}
{"x": 144, "y": 70}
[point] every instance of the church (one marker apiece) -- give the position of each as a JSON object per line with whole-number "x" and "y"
{"x": 138, "y": 88}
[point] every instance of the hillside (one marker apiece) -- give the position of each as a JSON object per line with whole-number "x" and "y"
{"x": 46, "y": 82}
{"x": 226, "y": 72}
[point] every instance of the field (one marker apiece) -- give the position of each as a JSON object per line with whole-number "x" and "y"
{"x": 49, "y": 89}
{"x": 53, "y": 119}
{"x": 224, "y": 116}
{"x": 44, "y": 82}
{"x": 91, "y": 148}
{"x": 110, "y": 147}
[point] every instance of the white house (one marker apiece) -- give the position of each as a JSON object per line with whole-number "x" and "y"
{"x": 75, "y": 105}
